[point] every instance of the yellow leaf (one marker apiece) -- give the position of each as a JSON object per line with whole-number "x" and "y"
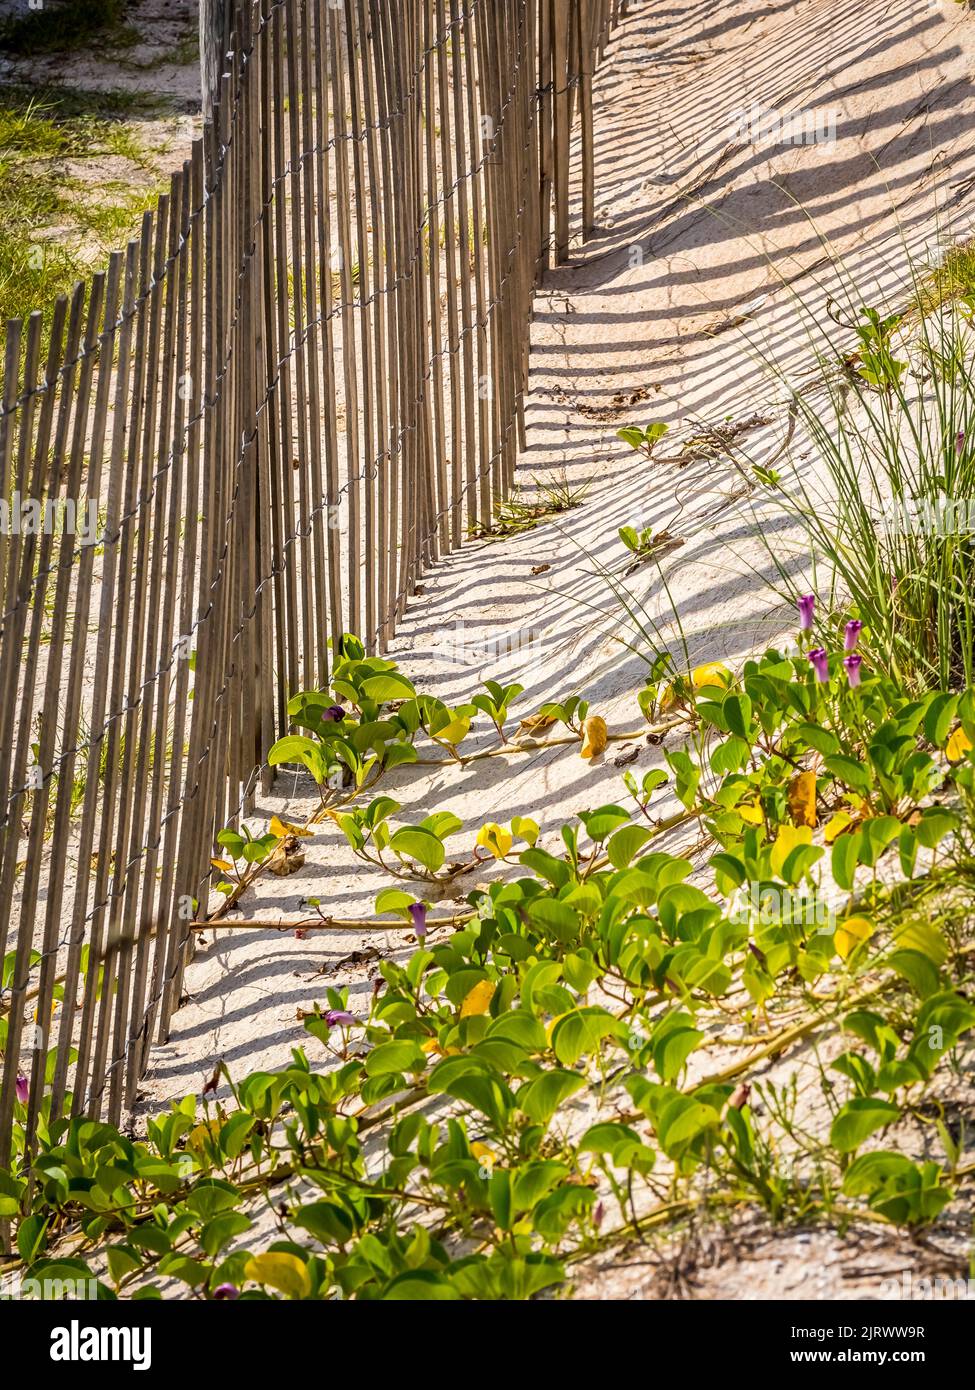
{"x": 785, "y": 842}
{"x": 711, "y": 673}
{"x": 534, "y": 724}
{"x": 836, "y": 825}
{"x": 802, "y": 799}
{"x": 751, "y": 812}
{"x": 672, "y": 692}
{"x": 958, "y": 745}
{"x": 282, "y": 829}
{"x": 432, "y": 1045}
{"x": 223, "y": 864}
{"x": 594, "y": 736}
{"x": 495, "y": 839}
{"x": 482, "y": 1151}
{"x": 207, "y": 1129}
{"x": 453, "y": 733}
{"x": 525, "y": 828}
{"x": 281, "y": 1271}
{"x": 851, "y": 932}
{"x": 479, "y": 999}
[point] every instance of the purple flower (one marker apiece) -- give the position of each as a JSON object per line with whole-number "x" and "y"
{"x": 852, "y": 665}
{"x": 223, "y": 1291}
{"x": 853, "y": 630}
{"x": 340, "y": 1018}
{"x": 418, "y": 911}
{"x": 819, "y": 660}
{"x": 959, "y": 441}
{"x": 333, "y": 714}
{"x": 23, "y": 1088}
{"x": 806, "y": 603}
{"x": 599, "y": 1211}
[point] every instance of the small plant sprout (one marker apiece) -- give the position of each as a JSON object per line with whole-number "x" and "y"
{"x": 644, "y": 440}
{"x": 642, "y": 792}
{"x": 495, "y": 703}
{"x": 571, "y": 712}
{"x": 877, "y": 365}
{"x": 647, "y": 544}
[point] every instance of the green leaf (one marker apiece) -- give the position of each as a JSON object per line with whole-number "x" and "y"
{"x": 545, "y": 865}
{"x": 579, "y": 1033}
{"x": 211, "y": 1196}
{"x": 876, "y": 834}
{"x": 413, "y": 842}
{"x": 626, "y": 844}
{"x": 858, "y": 1119}
{"x": 387, "y": 686}
{"x": 555, "y": 1213}
{"x": 603, "y": 821}
{"x": 871, "y": 1171}
{"x": 221, "y": 1230}
{"x": 815, "y": 736}
{"x": 682, "y": 1121}
{"x": 442, "y": 824}
{"x": 329, "y": 1222}
{"x": 738, "y": 714}
{"x": 918, "y": 970}
{"x": 396, "y": 754}
{"x": 846, "y": 849}
{"x": 122, "y": 1260}
{"x": 939, "y": 719}
{"x": 393, "y": 900}
{"x": 32, "y": 1237}
{"x": 730, "y": 756}
{"x": 540, "y": 1099}
{"x": 420, "y": 1286}
{"x": 934, "y": 825}
{"x": 295, "y": 748}
{"x": 632, "y": 436}
{"x": 849, "y": 771}
{"x": 730, "y": 872}
{"x": 672, "y": 1051}
{"x": 394, "y": 1057}
{"x": 486, "y": 1093}
{"x": 907, "y": 850}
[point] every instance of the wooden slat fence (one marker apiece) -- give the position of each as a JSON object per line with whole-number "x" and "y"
{"x": 300, "y": 385}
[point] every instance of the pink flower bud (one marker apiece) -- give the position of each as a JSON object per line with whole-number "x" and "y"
{"x": 819, "y": 660}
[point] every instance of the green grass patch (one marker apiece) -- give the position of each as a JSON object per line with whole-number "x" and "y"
{"x": 61, "y": 27}
{"x": 54, "y": 223}
{"x": 953, "y": 280}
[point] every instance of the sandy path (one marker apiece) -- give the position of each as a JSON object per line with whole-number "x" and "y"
{"x": 679, "y": 303}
